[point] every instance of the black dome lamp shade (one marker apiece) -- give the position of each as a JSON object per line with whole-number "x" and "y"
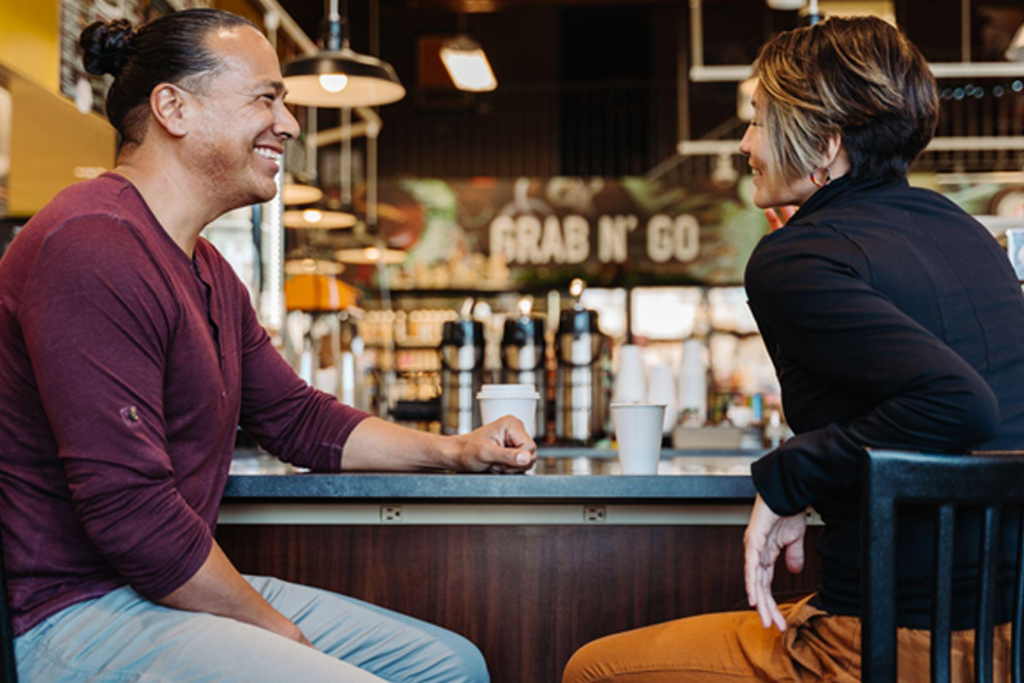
{"x": 337, "y": 76}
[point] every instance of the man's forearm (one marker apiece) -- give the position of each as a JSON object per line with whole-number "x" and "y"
{"x": 218, "y": 588}
{"x": 379, "y": 445}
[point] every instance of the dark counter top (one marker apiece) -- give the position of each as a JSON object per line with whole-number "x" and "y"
{"x": 562, "y": 475}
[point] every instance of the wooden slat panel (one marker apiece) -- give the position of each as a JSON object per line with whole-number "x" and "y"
{"x": 527, "y": 596}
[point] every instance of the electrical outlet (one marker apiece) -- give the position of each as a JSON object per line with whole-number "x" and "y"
{"x": 391, "y": 513}
{"x": 593, "y": 514}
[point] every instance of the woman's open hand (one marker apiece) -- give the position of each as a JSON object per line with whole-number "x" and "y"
{"x": 767, "y": 536}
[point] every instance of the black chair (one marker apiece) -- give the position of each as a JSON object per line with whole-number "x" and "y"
{"x": 989, "y": 488}
{"x": 9, "y": 673}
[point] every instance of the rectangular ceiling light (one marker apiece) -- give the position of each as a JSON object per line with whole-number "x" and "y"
{"x": 467, "y": 65}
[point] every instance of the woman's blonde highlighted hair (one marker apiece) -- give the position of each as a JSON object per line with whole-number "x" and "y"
{"x": 859, "y": 79}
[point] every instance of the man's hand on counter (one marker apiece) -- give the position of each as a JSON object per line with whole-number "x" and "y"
{"x": 378, "y": 445}
{"x": 502, "y": 446}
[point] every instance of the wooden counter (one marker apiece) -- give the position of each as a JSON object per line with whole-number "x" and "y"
{"x": 528, "y": 567}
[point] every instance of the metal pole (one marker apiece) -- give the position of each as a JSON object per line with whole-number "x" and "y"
{"x": 346, "y": 159}
{"x": 965, "y": 30}
{"x": 312, "y": 171}
{"x": 683, "y": 80}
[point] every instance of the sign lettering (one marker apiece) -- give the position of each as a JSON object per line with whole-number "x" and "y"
{"x": 669, "y": 238}
{"x": 528, "y": 240}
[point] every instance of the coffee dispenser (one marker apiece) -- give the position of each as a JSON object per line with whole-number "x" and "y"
{"x": 522, "y": 361}
{"x": 462, "y": 361}
{"x": 581, "y": 396}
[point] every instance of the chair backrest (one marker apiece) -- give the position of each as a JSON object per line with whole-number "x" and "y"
{"x": 990, "y": 485}
{"x": 8, "y": 673}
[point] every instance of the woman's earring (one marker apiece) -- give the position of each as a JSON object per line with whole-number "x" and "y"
{"x": 828, "y": 177}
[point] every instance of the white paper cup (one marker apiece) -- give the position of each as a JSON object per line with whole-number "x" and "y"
{"x": 638, "y": 432}
{"x": 517, "y": 400}
{"x": 629, "y": 382}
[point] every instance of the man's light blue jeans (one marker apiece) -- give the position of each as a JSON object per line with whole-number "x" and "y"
{"x": 124, "y": 638}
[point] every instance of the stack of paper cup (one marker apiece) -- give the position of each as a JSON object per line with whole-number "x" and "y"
{"x": 629, "y": 382}
{"x": 661, "y": 390}
{"x": 518, "y": 400}
{"x": 638, "y": 433}
{"x": 693, "y": 379}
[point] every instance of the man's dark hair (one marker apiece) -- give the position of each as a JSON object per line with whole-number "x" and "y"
{"x": 170, "y": 49}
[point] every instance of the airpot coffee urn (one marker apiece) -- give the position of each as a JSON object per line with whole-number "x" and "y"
{"x": 522, "y": 361}
{"x": 581, "y": 396}
{"x": 462, "y": 361}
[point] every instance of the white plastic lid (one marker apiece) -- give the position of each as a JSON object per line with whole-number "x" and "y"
{"x": 507, "y": 389}
{"x": 637, "y": 405}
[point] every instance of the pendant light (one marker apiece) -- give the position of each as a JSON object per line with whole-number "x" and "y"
{"x": 372, "y": 255}
{"x": 296, "y": 194}
{"x": 322, "y": 219}
{"x": 337, "y": 76}
{"x": 374, "y": 250}
{"x": 312, "y": 266}
{"x": 467, "y": 65}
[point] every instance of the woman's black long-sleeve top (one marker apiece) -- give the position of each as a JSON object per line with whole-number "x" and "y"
{"x": 895, "y": 321}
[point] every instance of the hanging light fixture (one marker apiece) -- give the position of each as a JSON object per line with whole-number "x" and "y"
{"x": 467, "y": 65}
{"x": 337, "y": 76}
{"x": 322, "y": 219}
{"x": 296, "y": 194}
{"x": 312, "y": 266}
{"x": 372, "y": 255}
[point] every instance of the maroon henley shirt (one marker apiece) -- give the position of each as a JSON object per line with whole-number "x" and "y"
{"x": 125, "y": 369}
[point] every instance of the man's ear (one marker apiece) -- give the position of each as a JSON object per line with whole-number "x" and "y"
{"x": 169, "y": 106}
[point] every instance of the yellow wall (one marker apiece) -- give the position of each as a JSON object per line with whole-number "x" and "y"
{"x": 52, "y": 144}
{"x": 29, "y": 35}
{"x": 50, "y": 141}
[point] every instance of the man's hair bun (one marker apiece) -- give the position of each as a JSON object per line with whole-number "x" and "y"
{"x": 104, "y": 45}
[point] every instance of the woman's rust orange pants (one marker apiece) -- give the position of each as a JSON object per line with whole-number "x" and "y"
{"x": 733, "y": 647}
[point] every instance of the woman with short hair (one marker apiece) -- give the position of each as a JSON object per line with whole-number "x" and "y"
{"x": 894, "y": 321}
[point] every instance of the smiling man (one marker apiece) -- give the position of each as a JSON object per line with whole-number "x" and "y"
{"x": 129, "y": 356}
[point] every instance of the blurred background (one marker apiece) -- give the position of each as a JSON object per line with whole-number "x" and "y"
{"x": 598, "y": 145}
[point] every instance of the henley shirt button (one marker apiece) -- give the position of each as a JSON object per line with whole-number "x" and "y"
{"x": 223, "y": 392}
{"x": 130, "y": 415}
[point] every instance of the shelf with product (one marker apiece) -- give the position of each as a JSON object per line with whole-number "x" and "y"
{"x": 729, "y": 371}
{"x": 403, "y": 343}
{"x": 700, "y": 353}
